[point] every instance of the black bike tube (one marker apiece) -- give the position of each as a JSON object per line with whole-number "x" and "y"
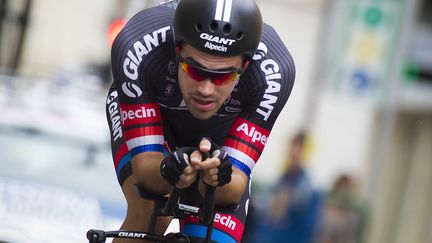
{"x": 172, "y": 203}
{"x": 96, "y": 236}
{"x": 153, "y": 218}
{"x": 135, "y": 235}
{"x": 208, "y": 211}
{"x": 207, "y": 215}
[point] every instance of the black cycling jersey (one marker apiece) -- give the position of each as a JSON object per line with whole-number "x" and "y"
{"x": 146, "y": 111}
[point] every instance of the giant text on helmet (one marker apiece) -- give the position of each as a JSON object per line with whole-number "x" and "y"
{"x": 216, "y": 39}
{"x": 273, "y": 77}
{"x": 142, "y": 48}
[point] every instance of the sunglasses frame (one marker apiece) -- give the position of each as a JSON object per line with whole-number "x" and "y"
{"x": 207, "y": 73}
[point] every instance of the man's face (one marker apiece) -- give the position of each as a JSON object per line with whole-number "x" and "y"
{"x": 204, "y": 98}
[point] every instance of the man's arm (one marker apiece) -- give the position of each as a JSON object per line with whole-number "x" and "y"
{"x": 147, "y": 171}
{"x": 210, "y": 168}
{"x": 146, "y": 168}
{"x": 229, "y": 193}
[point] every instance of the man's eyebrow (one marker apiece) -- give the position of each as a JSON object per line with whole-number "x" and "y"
{"x": 192, "y": 61}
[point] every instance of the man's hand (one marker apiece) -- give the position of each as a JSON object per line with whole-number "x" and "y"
{"x": 180, "y": 167}
{"x": 216, "y": 170}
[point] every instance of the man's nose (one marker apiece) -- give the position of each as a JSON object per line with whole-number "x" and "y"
{"x": 206, "y": 87}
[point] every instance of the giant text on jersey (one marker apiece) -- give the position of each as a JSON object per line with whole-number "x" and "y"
{"x": 140, "y": 49}
{"x": 273, "y": 77}
{"x": 114, "y": 114}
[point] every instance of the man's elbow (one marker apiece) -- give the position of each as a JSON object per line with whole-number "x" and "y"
{"x": 232, "y": 192}
{"x": 225, "y": 199}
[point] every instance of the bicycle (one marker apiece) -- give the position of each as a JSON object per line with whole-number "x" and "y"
{"x": 171, "y": 207}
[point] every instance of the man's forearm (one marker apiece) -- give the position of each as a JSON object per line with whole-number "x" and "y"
{"x": 229, "y": 193}
{"x": 146, "y": 169}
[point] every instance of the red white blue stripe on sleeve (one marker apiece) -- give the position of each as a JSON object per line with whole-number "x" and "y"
{"x": 245, "y": 143}
{"x": 142, "y": 128}
{"x": 146, "y": 144}
{"x": 240, "y": 160}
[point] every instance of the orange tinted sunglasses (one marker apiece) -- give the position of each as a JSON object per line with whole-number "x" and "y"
{"x": 218, "y": 77}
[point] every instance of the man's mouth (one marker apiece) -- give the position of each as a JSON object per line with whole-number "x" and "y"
{"x": 204, "y": 105}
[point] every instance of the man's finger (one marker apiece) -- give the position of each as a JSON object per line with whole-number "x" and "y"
{"x": 205, "y": 145}
{"x": 211, "y": 180}
{"x": 189, "y": 170}
{"x": 188, "y": 177}
{"x": 212, "y": 172}
{"x": 195, "y": 158}
{"x": 209, "y": 164}
{"x": 216, "y": 153}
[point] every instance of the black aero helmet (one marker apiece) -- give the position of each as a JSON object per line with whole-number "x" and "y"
{"x": 219, "y": 27}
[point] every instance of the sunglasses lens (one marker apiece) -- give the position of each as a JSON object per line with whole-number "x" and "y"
{"x": 199, "y": 75}
{"x": 193, "y": 72}
{"x": 222, "y": 78}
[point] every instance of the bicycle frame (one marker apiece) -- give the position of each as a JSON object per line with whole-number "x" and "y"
{"x": 99, "y": 236}
{"x": 171, "y": 208}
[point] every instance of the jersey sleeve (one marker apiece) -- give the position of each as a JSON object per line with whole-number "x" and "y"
{"x": 133, "y": 57}
{"x": 269, "y": 81}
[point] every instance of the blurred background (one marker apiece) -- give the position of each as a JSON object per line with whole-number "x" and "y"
{"x": 349, "y": 159}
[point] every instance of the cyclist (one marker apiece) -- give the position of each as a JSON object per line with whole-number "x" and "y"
{"x": 190, "y": 77}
